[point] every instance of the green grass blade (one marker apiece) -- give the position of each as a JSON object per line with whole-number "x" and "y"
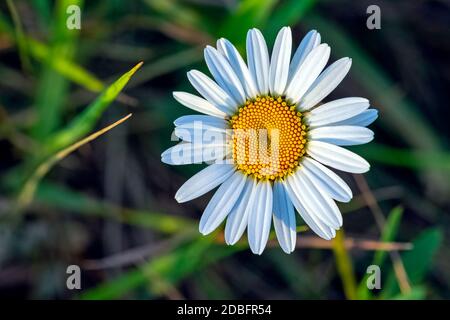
{"x": 344, "y": 265}
{"x": 407, "y": 158}
{"x": 84, "y": 123}
{"x": 65, "y": 139}
{"x": 249, "y": 14}
{"x": 79, "y": 127}
{"x": 52, "y": 89}
{"x": 29, "y": 188}
{"x": 20, "y": 36}
{"x": 65, "y": 67}
{"x": 42, "y": 53}
{"x": 389, "y": 233}
{"x": 416, "y": 293}
{"x": 417, "y": 261}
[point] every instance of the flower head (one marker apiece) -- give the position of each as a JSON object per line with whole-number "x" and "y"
{"x": 269, "y": 139}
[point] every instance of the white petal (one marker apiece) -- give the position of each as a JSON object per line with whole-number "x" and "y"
{"x": 226, "y": 48}
{"x": 318, "y": 202}
{"x": 258, "y": 60}
{"x": 309, "y": 42}
{"x": 221, "y": 203}
{"x": 295, "y": 194}
{"x": 260, "y": 218}
{"x": 363, "y": 119}
{"x": 198, "y": 104}
{"x": 211, "y": 91}
{"x": 342, "y": 135}
{"x": 204, "y": 181}
{"x": 204, "y": 120}
{"x": 337, "y": 157}
{"x": 279, "y": 64}
{"x": 238, "y": 218}
{"x": 329, "y": 181}
{"x": 196, "y": 135}
{"x": 336, "y": 110}
{"x": 201, "y": 127}
{"x": 333, "y": 232}
{"x": 284, "y": 218}
{"x": 325, "y": 83}
{"x": 307, "y": 73}
{"x": 223, "y": 73}
{"x": 189, "y": 153}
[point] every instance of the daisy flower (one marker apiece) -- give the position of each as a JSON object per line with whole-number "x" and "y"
{"x": 269, "y": 139}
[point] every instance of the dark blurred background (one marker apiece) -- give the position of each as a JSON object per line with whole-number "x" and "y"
{"x": 109, "y": 206}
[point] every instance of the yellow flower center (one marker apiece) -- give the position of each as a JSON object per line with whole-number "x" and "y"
{"x": 268, "y": 138}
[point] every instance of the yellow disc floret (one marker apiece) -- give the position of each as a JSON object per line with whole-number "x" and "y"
{"x": 269, "y": 138}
